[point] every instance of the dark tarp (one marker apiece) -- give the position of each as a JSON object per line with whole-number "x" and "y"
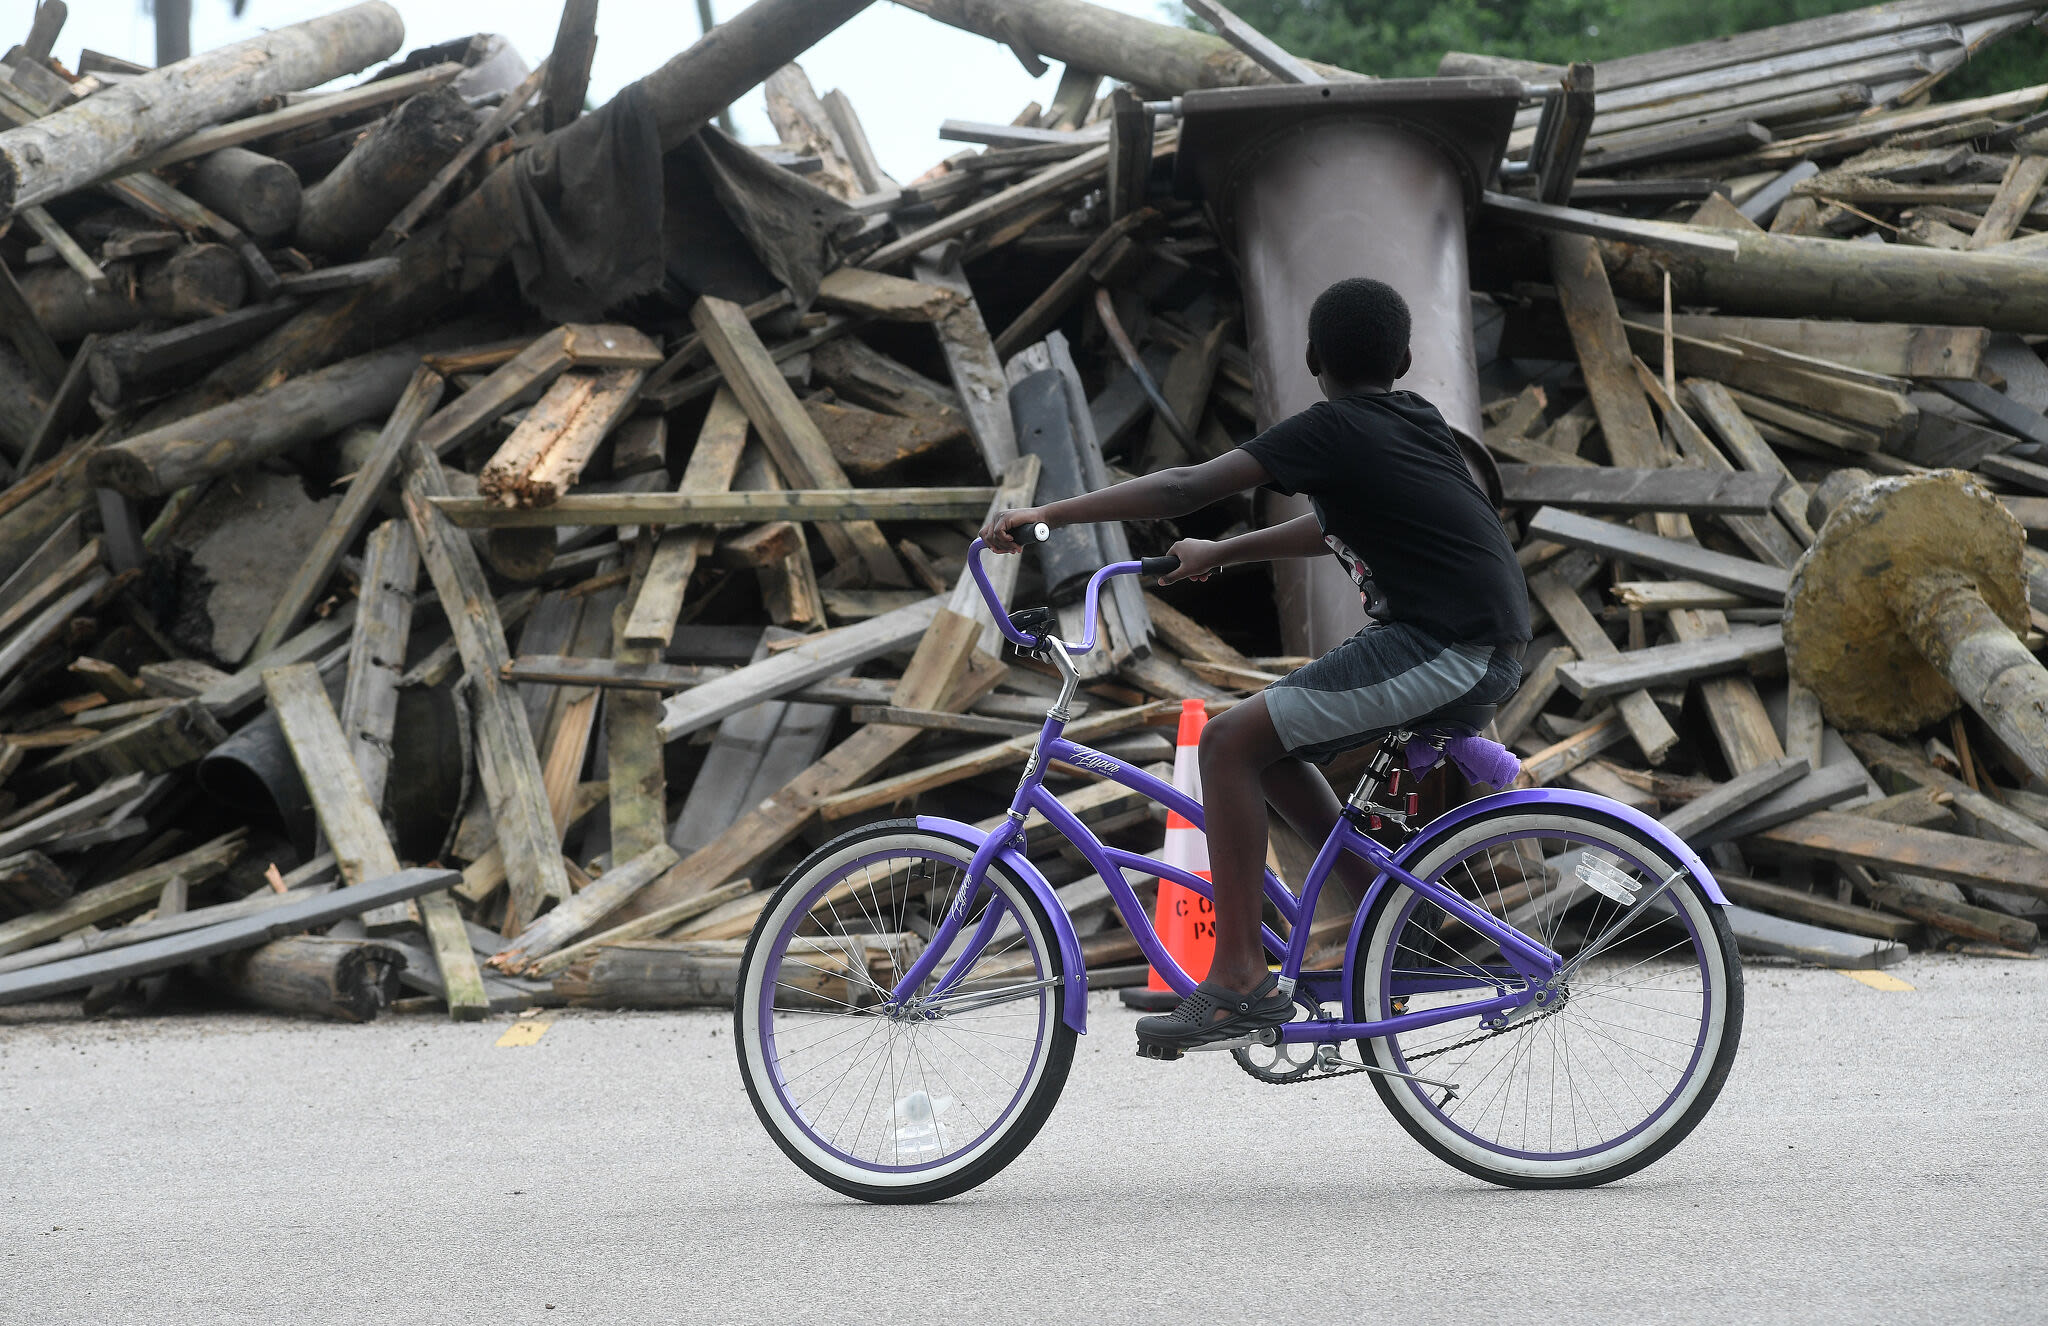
{"x": 589, "y": 213}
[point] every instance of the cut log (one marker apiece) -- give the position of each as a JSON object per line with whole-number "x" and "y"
{"x": 421, "y": 394}
{"x": 303, "y": 409}
{"x": 197, "y": 281}
{"x": 383, "y": 171}
{"x": 133, "y": 364}
{"x": 258, "y": 193}
{"x": 120, "y": 125}
{"x": 1792, "y": 276}
{"x": 349, "y": 980}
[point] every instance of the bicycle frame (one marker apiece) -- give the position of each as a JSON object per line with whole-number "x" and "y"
{"x": 1531, "y": 965}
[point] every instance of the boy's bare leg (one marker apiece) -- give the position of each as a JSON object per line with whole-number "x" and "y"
{"x": 1303, "y": 797}
{"x": 1239, "y": 748}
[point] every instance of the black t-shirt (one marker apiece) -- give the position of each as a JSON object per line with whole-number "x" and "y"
{"x": 1400, "y": 510}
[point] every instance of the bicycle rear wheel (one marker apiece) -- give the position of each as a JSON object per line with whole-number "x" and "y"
{"x": 1597, "y": 1085}
{"x": 912, "y": 1101}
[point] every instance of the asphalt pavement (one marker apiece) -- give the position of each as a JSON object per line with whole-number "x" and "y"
{"x": 1878, "y": 1155}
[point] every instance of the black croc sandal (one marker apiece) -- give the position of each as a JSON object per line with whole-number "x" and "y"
{"x": 1195, "y": 1024}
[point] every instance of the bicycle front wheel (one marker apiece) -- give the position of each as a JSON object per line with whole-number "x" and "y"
{"x": 908, "y": 1100}
{"x": 1596, "y": 1085}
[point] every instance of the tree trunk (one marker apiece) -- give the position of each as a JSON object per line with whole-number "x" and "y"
{"x": 1795, "y": 277}
{"x": 122, "y": 124}
{"x": 347, "y": 979}
{"x": 474, "y": 238}
{"x": 381, "y": 173}
{"x": 1156, "y": 57}
{"x": 258, "y": 193}
{"x": 197, "y": 281}
{"x": 242, "y": 432}
{"x": 173, "y": 30}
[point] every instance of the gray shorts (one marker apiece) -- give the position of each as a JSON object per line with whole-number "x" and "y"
{"x": 1380, "y": 678}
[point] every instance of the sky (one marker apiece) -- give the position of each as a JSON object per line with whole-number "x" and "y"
{"x": 903, "y": 72}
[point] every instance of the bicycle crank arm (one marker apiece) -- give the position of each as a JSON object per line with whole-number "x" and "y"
{"x": 1329, "y": 1058}
{"x": 1269, "y": 1037}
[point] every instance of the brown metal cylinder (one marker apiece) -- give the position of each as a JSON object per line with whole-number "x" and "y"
{"x": 1314, "y": 204}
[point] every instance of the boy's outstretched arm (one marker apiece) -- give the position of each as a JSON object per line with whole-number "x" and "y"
{"x": 1202, "y": 558}
{"x": 1168, "y": 493}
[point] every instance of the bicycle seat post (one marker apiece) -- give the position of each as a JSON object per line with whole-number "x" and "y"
{"x": 1363, "y": 808}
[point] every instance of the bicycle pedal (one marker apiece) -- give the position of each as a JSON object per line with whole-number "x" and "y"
{"x": 1163, "y": 1053}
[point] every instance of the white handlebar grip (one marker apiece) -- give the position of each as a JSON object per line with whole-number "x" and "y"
{"x": 1039, "y": 533}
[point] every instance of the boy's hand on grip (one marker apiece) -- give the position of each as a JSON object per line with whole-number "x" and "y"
{"x": 1199, "y": 559}
{"x": 1002, "y": 532}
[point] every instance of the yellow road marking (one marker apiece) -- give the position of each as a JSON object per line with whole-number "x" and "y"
{"x": 523, "y": 1033}
{"x": 1876, "y": 980}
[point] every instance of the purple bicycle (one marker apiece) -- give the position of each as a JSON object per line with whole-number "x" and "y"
{"x": 1540, "y": 983}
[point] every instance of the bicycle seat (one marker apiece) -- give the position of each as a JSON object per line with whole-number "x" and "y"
{"x": 1458, "y": 720}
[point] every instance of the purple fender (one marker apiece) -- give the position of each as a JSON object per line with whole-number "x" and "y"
{"x": 1535, "y": 796}
{"x": 1076, "y": 1015}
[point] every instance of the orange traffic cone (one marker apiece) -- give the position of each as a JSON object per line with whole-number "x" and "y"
{"x": 1185, "y": 920}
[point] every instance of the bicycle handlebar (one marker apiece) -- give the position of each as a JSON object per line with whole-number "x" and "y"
{"x": 1150, "y": 566}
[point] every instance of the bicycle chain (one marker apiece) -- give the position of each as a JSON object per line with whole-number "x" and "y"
{"x": 1322, "y": 1076}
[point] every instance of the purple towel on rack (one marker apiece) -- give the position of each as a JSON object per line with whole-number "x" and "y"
{"x": 1480, "y": 760}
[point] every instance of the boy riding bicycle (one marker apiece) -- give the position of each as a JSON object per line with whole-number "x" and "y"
{"x": 1394, "y": 502}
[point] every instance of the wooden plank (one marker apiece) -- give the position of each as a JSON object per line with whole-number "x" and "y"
{"x": 1693, "y": 819}
{"x": 298, "y": 115}
{"x": 713, "y": 462}
{"x": 369, "y": 702}
{"x": 645, "y": 927}
{"x": 1819, "y": 790}
{"x": 1922, "y": 900}
{"x": 828, "y": 508}
{"x": 591, "y": 904}
{"x": 546, "y": 452}
{"x": 1759, "y": 533}
{"x": 1662, "y": 665}
{"x": 1690, "y": 492}
{"x": 1652, "y": 732}
{"x": 1263, "y": 50}
{"x": 633, "y": 754}
{"x": 1751, "y": 452}
{"x": 1814, "y": 909}
{"x": 135, "y": 889}
{"x": 1052, "y": 182}
{"x": 792, "y": 439}
{"x": 1603, "y": 352}
{"x": 1883, "y": 411}
{"x": 226, "y": 937}
{"x": 1539, "y": 683}
{"x": 1881, "y": 846}
{"x": 797, "y": 667}
{"x": 1757, "y": 932}
{"x": 2001, "y": 409}
{"x": 422, "y": 394}
{"x": 507, "y": 762}
{"x": 1554, "y": 761}
{"x": 462, "y": 981}
{"x": 2023, "y": 179}
{"x": 1895, "y": 349}
{"x": 904, "y": 787}
{"x": 348, "y": 816}
{"x": 1765, "y": 583}
{"x": 79, "y": 810}
{"x": 1559, "y": 220}
{"x": 973, "y": 365}
{"x": 1979, "y": 814}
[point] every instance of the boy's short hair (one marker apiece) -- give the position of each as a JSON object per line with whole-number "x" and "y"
{"x": 1359, "y": 328}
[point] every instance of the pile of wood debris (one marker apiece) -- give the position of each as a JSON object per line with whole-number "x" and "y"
{"x": 692, "y": 514}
